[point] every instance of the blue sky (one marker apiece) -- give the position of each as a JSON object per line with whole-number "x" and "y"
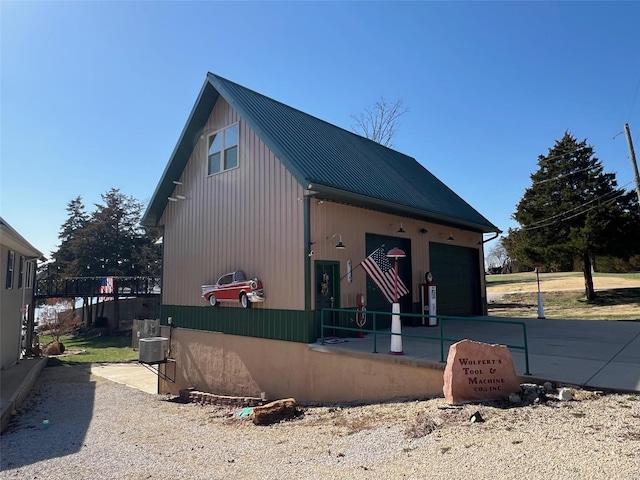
{"x": 94, "y": 95}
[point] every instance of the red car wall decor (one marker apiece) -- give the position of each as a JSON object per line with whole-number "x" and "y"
{"x": 234, "y": 287}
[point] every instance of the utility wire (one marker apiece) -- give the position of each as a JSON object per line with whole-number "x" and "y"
{"x": 552, "y": 220}
{"x": 578, "y": 207}
{"x": 563, "y": 154}
{"x": 562, "y": 175}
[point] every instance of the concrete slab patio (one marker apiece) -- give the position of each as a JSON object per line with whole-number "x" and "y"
{"x": 586, "y": 353}
{"x": 132, "y": 374}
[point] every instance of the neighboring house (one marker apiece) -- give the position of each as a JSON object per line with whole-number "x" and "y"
{"x": 256, "y": 185}
{"x": 18, "y": 262}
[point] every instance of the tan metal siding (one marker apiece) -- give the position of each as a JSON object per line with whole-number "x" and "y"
{"x": 353, "y": 224}
{"x": 246, "y": 218}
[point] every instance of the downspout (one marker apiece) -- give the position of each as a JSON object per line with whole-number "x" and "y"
{"x": 162, "y": 257}
{"x": 492, "y": 238}
{"x": 307, "y": 256}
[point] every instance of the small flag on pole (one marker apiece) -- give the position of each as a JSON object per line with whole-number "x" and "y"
{"x": 379, "y": 268}
{"x": 106, "y": 286}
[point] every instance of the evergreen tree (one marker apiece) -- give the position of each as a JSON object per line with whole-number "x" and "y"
{"x": 114, "y": 235}
{"x": 66, "y": 257}
{"x": 572, "y": 211}
{"x": 110, "y": 242}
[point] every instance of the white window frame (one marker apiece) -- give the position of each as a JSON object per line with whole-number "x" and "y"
{"x": 21, "y": 266}
{"x": 11, "y": 262}
{"x": 223, "y": 149}
{"x": 30, "y": 269}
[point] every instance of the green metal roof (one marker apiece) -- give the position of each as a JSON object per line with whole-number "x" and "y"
{"x": 337, "y": 164}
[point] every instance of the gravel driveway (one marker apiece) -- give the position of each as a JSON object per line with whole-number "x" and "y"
{"x": 99, "y": 429}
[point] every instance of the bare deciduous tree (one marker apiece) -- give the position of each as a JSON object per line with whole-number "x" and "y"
{"x": 497, "y": 258}
{"x": 378, "y": 122}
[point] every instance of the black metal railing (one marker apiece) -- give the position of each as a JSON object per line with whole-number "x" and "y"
{"x": 97, "y": 287}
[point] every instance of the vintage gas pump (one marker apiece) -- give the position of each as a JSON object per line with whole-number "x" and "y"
{"x": 361, "y": 316}
{"x": 428, "y": 297}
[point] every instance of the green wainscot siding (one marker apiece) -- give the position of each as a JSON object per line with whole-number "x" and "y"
{"x": 289, "y": 325}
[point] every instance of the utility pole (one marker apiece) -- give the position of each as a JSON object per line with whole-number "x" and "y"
{"x": 632, "y": 155}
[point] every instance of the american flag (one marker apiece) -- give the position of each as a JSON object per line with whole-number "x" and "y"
{"x": 106, "y": 286}
{"x": 379, "y": 268}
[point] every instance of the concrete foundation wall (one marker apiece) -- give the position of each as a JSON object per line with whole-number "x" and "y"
{"x": 246, "y": 366}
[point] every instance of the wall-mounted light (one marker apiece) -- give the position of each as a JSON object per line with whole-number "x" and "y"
{"x": 180, "y": 197}
{"x": 340, "y": 245}
{"x": 400, "y": 230}
{"x": 172, "y": 199}
{"x": 176, "y": 182}
{"x": 423, "y": 231}
{"x": 450, "y": 239}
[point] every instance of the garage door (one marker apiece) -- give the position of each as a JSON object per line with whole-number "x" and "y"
{"x": 456, "y": 272}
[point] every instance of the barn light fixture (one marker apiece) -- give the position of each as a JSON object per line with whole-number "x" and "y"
{"x": 400, "y": 230}
{"x": 340, "y": 245}
{"x": 423, "y": 231}
{"x": 450, "y": 239}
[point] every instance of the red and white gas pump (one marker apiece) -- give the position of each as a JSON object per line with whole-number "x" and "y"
{"x": 428, "y": 297}
{"x": 361, "y": 316}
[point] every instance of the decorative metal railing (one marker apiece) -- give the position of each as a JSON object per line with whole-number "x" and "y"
{"x": 98, "y": 287}
{"x": 338, "y": 321}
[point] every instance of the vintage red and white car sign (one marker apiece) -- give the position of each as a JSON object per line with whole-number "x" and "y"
{"x": 234, "y": 287}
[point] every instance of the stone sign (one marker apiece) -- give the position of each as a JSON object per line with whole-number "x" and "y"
{"x": 478, "y": 371}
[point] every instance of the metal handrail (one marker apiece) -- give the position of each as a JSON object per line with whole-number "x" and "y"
{"x": 441, "y": 319}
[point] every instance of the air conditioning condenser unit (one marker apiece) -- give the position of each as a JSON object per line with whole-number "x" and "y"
{"x": 153, "y": 349}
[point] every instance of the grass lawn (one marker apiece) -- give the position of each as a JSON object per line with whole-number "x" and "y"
{"x": 93, "y": 348}
{"x": 615, "y": 304}
{"x": 515, "y": 296}
{"x": 529, "y": 277}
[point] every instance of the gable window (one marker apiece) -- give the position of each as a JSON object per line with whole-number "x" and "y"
{"x": 10, "y": 262}
{"x": 20, "y": 271}
{"x": 223, "y": 150}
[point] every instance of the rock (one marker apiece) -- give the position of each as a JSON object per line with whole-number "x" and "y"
{"x": 274, "y": 412}
{"x": 565, "y": 394}
{"x": 515, "y": 398}
{"x": 476, "y": 418}
{"x": 478, "y": 371}
{"x": 548, "y": 386}
{"x": 54, "y": 348}
{"x": 532, "y": 393}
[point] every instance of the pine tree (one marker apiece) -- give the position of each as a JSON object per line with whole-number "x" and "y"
{"x": 109, "y": 242}
{"x": 572, "y": 211}
{"x": 66, "y": 257}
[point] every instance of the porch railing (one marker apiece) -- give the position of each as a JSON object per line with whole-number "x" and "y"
{"x": 442, "y": 319}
